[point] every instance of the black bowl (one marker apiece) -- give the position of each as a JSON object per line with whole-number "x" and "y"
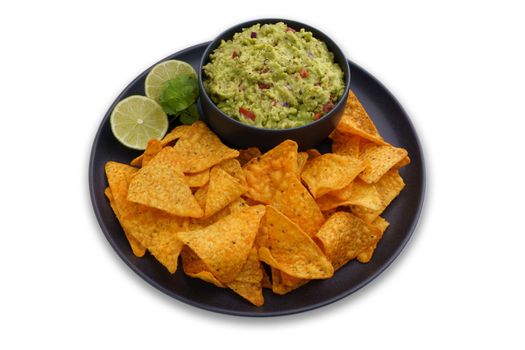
{"x": 241, "y": 135}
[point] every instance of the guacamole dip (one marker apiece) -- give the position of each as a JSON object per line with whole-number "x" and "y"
{"x": 272, "y": 76}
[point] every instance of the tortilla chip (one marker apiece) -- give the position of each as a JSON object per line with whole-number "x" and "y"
{"x": 291, "y": 250}
{"x": 245, "y": 155}
{"x": 225, "y": 245}
{"x": 344, "y": 236}
{"x": 264, "y": 173}
{"x": 402, "y": 163}
{"x": 234, "y": 207}
{"x": 343, "y": 194}
{"x": 302, "y": 157}
{"x": 283, "y": 283}
{"x": 233, "y": 167}
{"x": 194, "y": 267}
{"x": 366, "y": 255}
{"x": 356, "y": 121}
{"x": 197, "y": 179}
{"x": 313, "y": 153}
{"x": 362, "y": 194}
{"x": 173, "y": 135}
{"x": 330, "y": 172}
{"x": 345, "y": 144}
{"x": 137, "y": 248}
{"x": 161, "y": 185}
{"x": 154, "y": 229}
{"x": 199, "y": 149}
{"x": 248, "y": 282}
{"x": 388, "y": 187}
{"x": 293, "y": 200}
{"x": 379, "y": 160}
{"x": 222, "y": 190}
{"x": 154, "y": 147}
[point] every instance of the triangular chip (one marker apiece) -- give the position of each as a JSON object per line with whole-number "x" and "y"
{"x": 388, "y": 187}
{"x": 197, "y": 179}
{"x": 161, "y": 185}
{"x": 248, "y": 282}
{"x": 302, "y": 157}
{"x": 153, "y": 148}
{"x": 344, "y": 236}
{"x": 345, "y": 144}
{"x": 199, "y": 149}
{"x": 356, "y": 121}
{"x": 366, "y": 255}
{"x": 135, "y": 245}
{"x": 222, "y": 190}
{"x": 402, "y": 163}
{"x": 264, "y": 173}
{"x": 361, "y": 194}
{"x": 291, "y": 250}
{"x": 379, "y": 159}
{"x": 194, "y": 267}
{"x": 330, "y": 172}
{"x": 173, "y": 135}
{"x": 233, "y": 167}
{"x": 154, "y": 229}
{"x": 225, "y": 245}
{"x": 293, "y": 200}
{"x": 282, "y": 283}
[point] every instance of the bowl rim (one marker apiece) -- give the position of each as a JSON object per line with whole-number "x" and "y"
{"x": 224, "y": 35}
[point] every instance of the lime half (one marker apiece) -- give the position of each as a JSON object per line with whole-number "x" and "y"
{"x": 137, "y": 119}
{"x": 163, "y": 72}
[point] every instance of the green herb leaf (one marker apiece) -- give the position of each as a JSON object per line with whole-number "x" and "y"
{"x": 179, "y": 93}
{"x": 190, "y": 115}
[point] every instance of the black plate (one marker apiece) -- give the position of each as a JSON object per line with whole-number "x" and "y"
{"x": 403, "y": 214}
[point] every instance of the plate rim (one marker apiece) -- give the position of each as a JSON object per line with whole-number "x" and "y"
{"x": 221, "y": 310}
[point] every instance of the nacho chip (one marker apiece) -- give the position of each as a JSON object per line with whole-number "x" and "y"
{"x": 248, "y": 282}
{"x": 197, "y": 179}
{"x": 343, "y": 194}
{"x": 222, "y": 190}
{"x": 225, "y": 245}
{"x": 173, "y": 135}
{"x": 344, "y": 236}
{"x": 291, "y": 250}
{"x": 283, "y": 283}
{"x": 234, "y": 207}
{"x": 388, "y": 187}
{"x": 345, "y": 144}
{"x": 135, "y": 245}
{"x": 361, "y": 194}
{"x": 330, "y": 172}
{"x": 379, "y": 160}
{"x": 302, "y": 157}
{"x": 233, "y": 167}
{"x": 154, "y": 229}
{"x": 161, "y": 185}
{"x": 245, "y": 155}
{"x": 264, "y": 173}
{"x": 402, "y": 163}
{"x": 154, "y": 147}
{"x": 293, "y": 200}
{"x": 199, "y": 149}
{"x": 356, "y": 121}
{"x": 194, "y": 267}
{"x": 366, "y": 255}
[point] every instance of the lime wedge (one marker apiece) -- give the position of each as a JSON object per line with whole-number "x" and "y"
{"x": 163, "y": 72}
{"x": 137, "y": 119}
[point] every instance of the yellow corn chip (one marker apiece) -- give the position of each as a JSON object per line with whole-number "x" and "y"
{"x": 154, "y": 147}
{"x": 388, "y": 187}
{"x": 403, "y": 162}
{"x": 356, "y": 121}
{"x": 199, "y": 149}
{"x": 245, "y": 155}
{"x": 345, "y": 144}
{"x": 135, "y": 245}
{"x": 361, "y": 194}
{"x": 366, "y": 255}
{"x": 161, "y": 185}
{"x": 293, "y": 200}
{"x": 379, "y": 160}
{"x": 264, "y": 173}
{"x": 283, "y": 283}
{"x": 248, "y": 282}
{"x": 222, "y": 190}
{"x": 234, "y": 207}
{"x": 173, "y": 135}
{"x": 225, "y": 245}
{"x": 154, "y": 229}
{"x": 343, "y": 236}
{"x": 291, "y": 250}
{"x": 343, "y": 194}
{"x": 196, "y": 268}
{"x": 233, "y": 167}
{"x": 197, "y": 179}
{"x": 302, "y": 157}
{"x": 330, "y": 172}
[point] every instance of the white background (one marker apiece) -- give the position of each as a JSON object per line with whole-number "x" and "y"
{"x": 458, "y": 69}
